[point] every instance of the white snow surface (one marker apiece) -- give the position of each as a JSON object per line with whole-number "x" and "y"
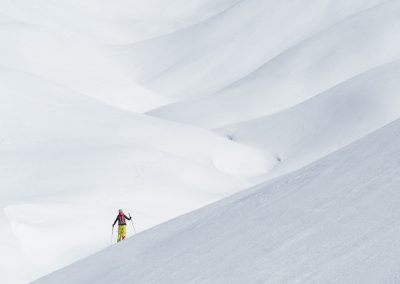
{"x": 311, "y": 47}
{"x": 70, "y": 152}
{"x": 162, "y": 107}
{"x": 74, "y": 43}
{"x": 334, "y": 221}
{"x": 327, "y": 122}
{"x": 67, "y": 160}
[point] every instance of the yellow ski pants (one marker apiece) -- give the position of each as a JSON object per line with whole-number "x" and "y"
{"x": 121, "y": 232}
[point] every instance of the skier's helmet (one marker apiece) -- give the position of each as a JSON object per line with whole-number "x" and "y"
{"x": 120, "y": 211}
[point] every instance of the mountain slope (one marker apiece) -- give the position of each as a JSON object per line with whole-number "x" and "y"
{"x": 66, "y": 159}
{"x": 335, "y": 221}
{"x": 362, "y": 41}
{"x": 73, "y": 42}
{"x": 119, "y": 22}
{"x": 90, "y": 90}
{"x": 327, "y": 122}
{"x": 72, "y": 60}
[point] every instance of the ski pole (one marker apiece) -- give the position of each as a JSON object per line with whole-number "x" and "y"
{"x": 112, "y": 234}
{"x": 132, "y": 223}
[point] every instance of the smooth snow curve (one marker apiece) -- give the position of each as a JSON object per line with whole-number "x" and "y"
{"x": 326, "y": 122}
{"x": 335, "y": 221}
{"x": 165, "y": 106}
{"x": 67, "y": 158}
{"x": 73, "y": 42}
{"x": 350, "y": 41}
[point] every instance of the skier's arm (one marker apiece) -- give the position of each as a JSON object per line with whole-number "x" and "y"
{"x": 116, "y": 219}
{"x": 129, "y": 218}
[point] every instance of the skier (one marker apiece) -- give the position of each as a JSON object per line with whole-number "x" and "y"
{"x": 121, "y": 218}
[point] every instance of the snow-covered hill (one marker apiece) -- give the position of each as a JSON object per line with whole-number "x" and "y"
{"x": 70, "y": 153}
{"x": 165, "y": 106}
{"x": 310, "y": 54}
{"x": 334, "y": 84}
{"x": 72, "y": 60}
{"x": 67, "y": 159}
{"x": 335, "y": 221}
{"x": 117, "y": 22}
{"x": 326, "y": 122}
{"x": 75, "y": 43}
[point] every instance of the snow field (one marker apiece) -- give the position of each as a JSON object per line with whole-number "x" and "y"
{"x": 161, "y": 107}
{"x": 334, "y": 221}
{"x": 62, "y": 149}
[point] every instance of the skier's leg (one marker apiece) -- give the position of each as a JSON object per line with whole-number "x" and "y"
{"x": 119, "y": 233}
{"x": 123, "y": 232}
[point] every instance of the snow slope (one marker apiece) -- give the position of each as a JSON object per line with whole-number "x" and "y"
{"x": 73, "y": 42}
{"x": 72, "y": 60}
{"x": 334, "y": 221}
{"x": 330, "y": 88}
{"x": 68, "y": 155}
{"x": 117, "y": 22}
{"x": 67, "y": 158}
{"x": 283, "y": 80}
{"x": 352, "y": 38}
{"x": 327, "y": 122}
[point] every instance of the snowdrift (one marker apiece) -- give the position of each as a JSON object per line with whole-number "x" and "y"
{"x": 74, "y": 43}
{"x": 310, "y": 56}
{"x": 66, "y": 158}
{"x": 334, "y": 221}
{"x": 327, "y": 122}
{"x": 72, "y": 60}
{"x": 89, "y": 91}
{"x": 117, "y": 22}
